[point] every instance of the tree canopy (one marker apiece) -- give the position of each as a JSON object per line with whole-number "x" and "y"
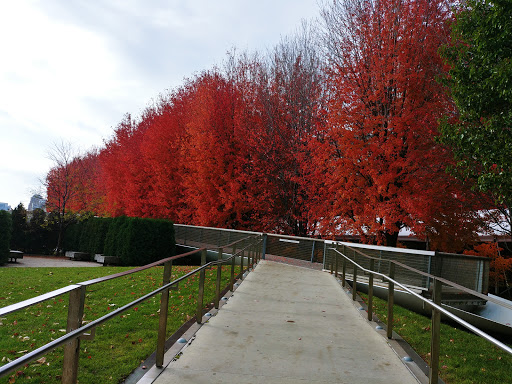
{"x": 330, "y": 133}
{"x": 480, "y": 78}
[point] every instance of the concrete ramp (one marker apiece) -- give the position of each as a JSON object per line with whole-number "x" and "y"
{"x": 286, "y": 324}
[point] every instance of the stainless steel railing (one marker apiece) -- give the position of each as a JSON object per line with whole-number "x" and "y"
{"x": 471, "y": 271}
{"x": 245, "y": 248}
{"x": 435, "y": 303}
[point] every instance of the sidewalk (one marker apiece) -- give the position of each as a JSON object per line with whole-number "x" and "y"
{"x": 49, "y": 261}
{"x": 286, "y": 324}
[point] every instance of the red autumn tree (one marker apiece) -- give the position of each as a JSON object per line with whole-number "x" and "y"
{"x": 379, "y": 167}
{"x": 128, "y": 182}
{"x": 210, "y": 178}
{"x": 64, "y": 185}
{"x": 163, "y": 149}
{"x": 280, "y": 96}
{"x": 90, "y": 192}
{"x": 499, "y": 266}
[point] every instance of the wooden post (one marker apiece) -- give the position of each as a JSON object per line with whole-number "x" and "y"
{"x": 72, "y": 349}
{"x": 391, "y": 298}
{"x": 162, "y": 320}
{"x": 435, "y": 347}
{"x": 199, "y": 312}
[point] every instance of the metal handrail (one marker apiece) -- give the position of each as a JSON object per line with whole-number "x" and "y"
{"x": 75, "y": 334}
{"x": 38, "y": 299}
{"x": 50, "y": 295}
{"x": 443, "y": 280}
{"x": 435, "y": 304}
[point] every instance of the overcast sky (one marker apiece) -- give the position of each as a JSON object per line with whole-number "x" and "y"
{"x": 70, "y": 69}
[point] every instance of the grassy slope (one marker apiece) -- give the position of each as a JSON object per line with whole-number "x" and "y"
{"x": 119, "y": 346}
{"x": 465, "y": 357}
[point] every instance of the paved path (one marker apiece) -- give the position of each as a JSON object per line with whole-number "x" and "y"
{"x": 286, "y": 324}
{"x": 50, "y": 261}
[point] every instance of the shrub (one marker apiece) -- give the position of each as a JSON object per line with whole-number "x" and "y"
{"x": 140, "y": 241}
{"x": 99, "y": 234}
{"x": 5, "y": 236}
{"x": 135, "y": 241}
{"x": 72, "y": 236}
{"x": 148, "y": 240}
{"x": 113, "y": 239}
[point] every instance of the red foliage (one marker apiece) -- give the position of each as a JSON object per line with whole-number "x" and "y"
{"x": 499, "y": 266}
{"x": 75, "y": 186}
{"x": 382, "y": 168}
{"x": 258, "y": 147}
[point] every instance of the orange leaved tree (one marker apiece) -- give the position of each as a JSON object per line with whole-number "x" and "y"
{"x": 499, "y": 267}
{"x": 378, "y": 166}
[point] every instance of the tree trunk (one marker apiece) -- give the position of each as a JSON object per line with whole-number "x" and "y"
{"x": 391, "y": 239}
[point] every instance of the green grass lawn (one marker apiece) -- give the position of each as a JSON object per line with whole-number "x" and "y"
{"x": 120, "y": 344}
{"x": 465, "y": 358}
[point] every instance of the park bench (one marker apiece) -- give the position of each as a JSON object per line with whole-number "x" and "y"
{"x": 15, "y": 255}
{"x": 107, "y": 260}
{"x": 78, "y": 255}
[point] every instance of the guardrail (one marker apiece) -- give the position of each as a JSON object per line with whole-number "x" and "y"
{"x": 435, "y": 303}
{"x": 245, "y": 248}
{"x": 468, "y": 271}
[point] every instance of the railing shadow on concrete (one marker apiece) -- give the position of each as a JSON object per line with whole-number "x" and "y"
{"x": 342, "y": 258}
{"x": 247, "y": 248}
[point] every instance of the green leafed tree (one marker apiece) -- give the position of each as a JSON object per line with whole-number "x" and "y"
{"x": 480, "y": 57}
{"x": 19, "y": 228}
{"x": 5, "y": 236}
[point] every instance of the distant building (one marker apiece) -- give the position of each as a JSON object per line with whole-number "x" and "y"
{"x": 36, "y": 201}
{"x": 5, "y": 207}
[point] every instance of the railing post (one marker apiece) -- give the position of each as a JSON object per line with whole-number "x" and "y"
{"x": 332, "y": 264}
{"x": 219, "y": 276}
{"x": 232, "y": 281}
{"x": 257, "y": 247}
{"x": 242, "y": 261}
{"x": 336, "y": 262}
{"x": 391, "y": 298}
{"x": 199, "y": 312}
{"x": 162, "y": 321}
{"x": 250, "y": 259}
{"x": 344, "y": 272}
{"x": 370, "y": 291}
{"x": 72, "y": 349}
{"x": 354, "y": 284}
{"x": 435, "y": 333}
{"x": 264, "y": 246}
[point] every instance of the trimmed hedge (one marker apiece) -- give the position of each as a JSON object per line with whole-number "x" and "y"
{"x": 136, "y": 241}
{"x": 5, "y": 236}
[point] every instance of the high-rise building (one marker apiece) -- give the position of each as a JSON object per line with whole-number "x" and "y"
{"x": 5, "y": 207}
{"x": 36, "y": 201}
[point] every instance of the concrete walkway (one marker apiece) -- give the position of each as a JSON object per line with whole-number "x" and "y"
{"x": 49, "y": 261}
{"x": 286, "y": 324}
